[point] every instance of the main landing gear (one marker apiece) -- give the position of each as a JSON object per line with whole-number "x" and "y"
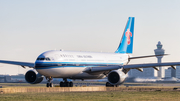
{"x": 66, "y": 83}
{"x": 49, "y": 83}
{"x": 110, "y": 85}
{"x": 63, "y": 83}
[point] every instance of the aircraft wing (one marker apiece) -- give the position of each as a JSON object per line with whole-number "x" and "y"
{"x": 134, "y": 66}
{"x": 23, "y": 64}
{"x": 131, "y": 66}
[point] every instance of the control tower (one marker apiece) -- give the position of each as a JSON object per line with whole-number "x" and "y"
{"x": 159, "y": 51}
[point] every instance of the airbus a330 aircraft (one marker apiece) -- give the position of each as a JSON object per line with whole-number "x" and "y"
{"x": 87, "y": 65}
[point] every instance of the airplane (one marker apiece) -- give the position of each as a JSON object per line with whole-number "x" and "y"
{"x": 88, "y": 65}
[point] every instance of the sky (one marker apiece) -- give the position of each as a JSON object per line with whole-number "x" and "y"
{"x": 29, "y": 28}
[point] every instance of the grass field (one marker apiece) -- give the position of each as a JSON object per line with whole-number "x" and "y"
{"x": 90, "y": 96}
{"x": 94, "y": 96}
{"x": 9, "y": 85}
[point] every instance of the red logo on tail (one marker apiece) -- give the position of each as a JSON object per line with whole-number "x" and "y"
{"x": 128, "y": 34}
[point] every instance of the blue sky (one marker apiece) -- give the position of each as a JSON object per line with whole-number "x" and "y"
{"x": 28, "y": 28}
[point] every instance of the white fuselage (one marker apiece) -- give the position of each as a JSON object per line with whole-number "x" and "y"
{"x": 70, "y": 64}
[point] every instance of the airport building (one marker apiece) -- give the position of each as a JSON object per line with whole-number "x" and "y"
{"x": 151, "y": 72}
{"x": 135, "y": 73}
{"x": 168, "y": 73}
{"x": 177, "y": 71}
{"x": 147, "y": 72}
{"x": 5, "y": 78}
{"x": 173, "y": 72}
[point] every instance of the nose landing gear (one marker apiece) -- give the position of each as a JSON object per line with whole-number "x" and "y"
{"x": 66, "y": 83}
{"x": 49, "y": 83}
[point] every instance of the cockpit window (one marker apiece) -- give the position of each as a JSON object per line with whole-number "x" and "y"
{"x": 48, "y": 59}
{"x": 42, "y": 58}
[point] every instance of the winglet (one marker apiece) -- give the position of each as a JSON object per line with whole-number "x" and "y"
{"x": 126, "y": 44}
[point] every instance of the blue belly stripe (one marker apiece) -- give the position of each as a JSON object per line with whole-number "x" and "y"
{"x": 48, "y": 65}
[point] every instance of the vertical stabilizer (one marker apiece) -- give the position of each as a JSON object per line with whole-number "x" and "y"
{"x": 126, "y": 44}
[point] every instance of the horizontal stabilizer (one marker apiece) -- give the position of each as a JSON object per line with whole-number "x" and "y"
{"x": 146, "y": 56}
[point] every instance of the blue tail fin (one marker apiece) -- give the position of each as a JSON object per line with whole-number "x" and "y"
{"x": 126, "y": 44}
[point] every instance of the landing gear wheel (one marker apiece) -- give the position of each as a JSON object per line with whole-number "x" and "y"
{"x": 70, "y": 84}
{"x": 47, "y": 85}
{"x": 61, "y": 84}
{"x": 66, "y": 84}
{"x": 51, "y": 84}
{"x": 109, "y": 85}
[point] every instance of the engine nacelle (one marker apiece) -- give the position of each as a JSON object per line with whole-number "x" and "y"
{"x": 33, "y": 77}
{"x": 116, "y": 77}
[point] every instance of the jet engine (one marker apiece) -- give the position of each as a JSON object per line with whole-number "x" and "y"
{"x": 33, "y": 77}
{"x": 116, "y": 77}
